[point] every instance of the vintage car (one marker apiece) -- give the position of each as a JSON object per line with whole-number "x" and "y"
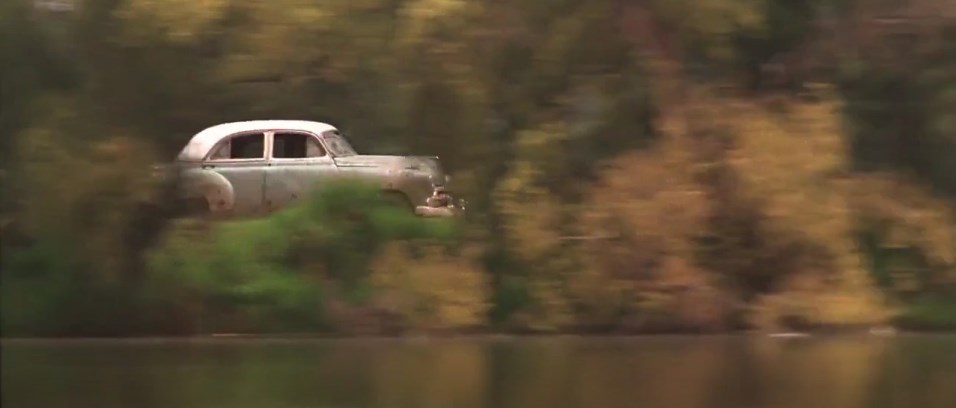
{"x": 259, "y": 166}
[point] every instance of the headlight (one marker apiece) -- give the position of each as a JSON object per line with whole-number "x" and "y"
{"x": 433, "y": 179}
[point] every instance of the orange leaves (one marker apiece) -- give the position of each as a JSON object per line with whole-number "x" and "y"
{"x": 436, "y": 291}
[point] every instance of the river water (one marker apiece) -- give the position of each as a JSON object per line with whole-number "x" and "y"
{"x": 911, "y": 371}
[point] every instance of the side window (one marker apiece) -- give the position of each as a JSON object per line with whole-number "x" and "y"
{"x": 248, "y": 146}
{"x": 295, "y": 146}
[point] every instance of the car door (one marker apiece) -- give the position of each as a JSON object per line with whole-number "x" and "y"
{"x": 241, "y": 159}
{"x": 298, "y": 163}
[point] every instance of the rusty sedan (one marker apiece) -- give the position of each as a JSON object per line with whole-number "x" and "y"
{"x": 259, "y": 166}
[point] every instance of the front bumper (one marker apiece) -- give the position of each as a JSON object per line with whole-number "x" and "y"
{"x": 441, "y": 204}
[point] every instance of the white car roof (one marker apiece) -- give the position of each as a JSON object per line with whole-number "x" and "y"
{"x": 202, "y": 142}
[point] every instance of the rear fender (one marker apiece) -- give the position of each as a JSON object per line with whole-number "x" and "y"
{"x": 213, "y": 187}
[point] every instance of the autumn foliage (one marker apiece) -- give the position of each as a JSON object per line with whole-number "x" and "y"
{"x": 631, "y": 166}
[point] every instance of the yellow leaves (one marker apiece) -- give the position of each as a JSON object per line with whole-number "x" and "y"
{"x": 816, "y": 302}
{"x": 712, "y": 17}
{"x": 280, "y": 37}
{"x": 793, "y": 161}
{"x": 788, "y": 163}
{"x": 302, "y": 14}
{"x": 913, "y": 218}
{"x": 710, "y": 22}
{"x": 434, "y": 292}
{"x": 652, "y": 207}
{"x": 651, "y": 193}
{"x": 431, "y": 38}
{"x": 532, "y": 213}
{"x": 551, "y": 310}
{"x": 553, "y": 57}
{"x": 675, "y": 293}
{"x": 600, "y": 295}
{"x": 420, "y": 11}
{"x": 177, "y": 20}
{"x": 540, "y": 144}
{"x": 288, "y": 38}
{"x": 790, "y": 160}
{"x": 726, "y": 13}
{"x": 799, "y": 146}
{"x": 419, "y": 15}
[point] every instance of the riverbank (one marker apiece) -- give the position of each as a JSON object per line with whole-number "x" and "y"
{"x": 380, "y": 272}
{"x": 876, "y": 332}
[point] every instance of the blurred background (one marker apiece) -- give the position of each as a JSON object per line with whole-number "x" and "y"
{"x": 631, "y": 166}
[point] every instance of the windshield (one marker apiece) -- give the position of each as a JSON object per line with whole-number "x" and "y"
{"x": 338, "y": 145}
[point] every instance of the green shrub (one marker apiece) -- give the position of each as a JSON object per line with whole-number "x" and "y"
{"x": 277, "y": 273}
{"x": 930, "y": 313}
{"x": 35, "y": 280}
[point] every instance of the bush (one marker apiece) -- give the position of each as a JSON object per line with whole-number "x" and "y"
{"x": 428, "y": 289}
{"x": 280, "y": 273}
{"x": 930, "y": 313}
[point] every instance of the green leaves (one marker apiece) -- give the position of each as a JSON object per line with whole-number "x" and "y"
{"x": 285, "y": 264}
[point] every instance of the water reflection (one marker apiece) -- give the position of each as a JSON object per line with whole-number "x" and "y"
{"x": 725, "y": 372}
